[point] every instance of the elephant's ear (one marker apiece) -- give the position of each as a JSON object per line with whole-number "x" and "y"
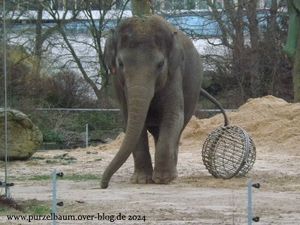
{"x": 110, "y": 53}
{"x": 175, "y": 53}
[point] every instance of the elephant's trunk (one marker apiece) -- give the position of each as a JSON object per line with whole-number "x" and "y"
{"x": 139, "y": 98}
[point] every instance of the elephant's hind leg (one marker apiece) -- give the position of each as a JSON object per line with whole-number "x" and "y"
{"x": 142, "y": 161}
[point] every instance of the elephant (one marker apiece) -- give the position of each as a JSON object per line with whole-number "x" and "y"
{"x": 157, "y": 75}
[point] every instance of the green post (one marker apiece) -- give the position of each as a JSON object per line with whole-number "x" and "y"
{"x": 296, "y": 73}
{"x": 293, "y": 32}
{"x": 292, "y": 47}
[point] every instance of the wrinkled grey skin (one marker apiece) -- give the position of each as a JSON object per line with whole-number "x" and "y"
{"x": 157, "y": 75}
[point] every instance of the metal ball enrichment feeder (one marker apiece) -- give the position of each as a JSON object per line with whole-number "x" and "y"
{"x": 228, "y": 151}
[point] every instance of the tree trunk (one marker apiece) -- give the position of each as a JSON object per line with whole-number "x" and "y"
{"x": 238, "y": 44}
{"x": 271, "y": 37}
{"x": 141, "y": 7}
{"x": 253, "y": 61}
{"x": 38, "y": 38}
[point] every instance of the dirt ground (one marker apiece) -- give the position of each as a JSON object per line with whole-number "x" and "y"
{"x": 195, "y": 197}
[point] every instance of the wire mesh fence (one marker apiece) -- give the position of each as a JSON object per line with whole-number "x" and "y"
{"x": 66, "y": 128}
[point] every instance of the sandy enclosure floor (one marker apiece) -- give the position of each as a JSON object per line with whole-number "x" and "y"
{"x": 195, "y": 197}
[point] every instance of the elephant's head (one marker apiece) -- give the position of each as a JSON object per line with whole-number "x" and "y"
{"x": 142, "y": 54}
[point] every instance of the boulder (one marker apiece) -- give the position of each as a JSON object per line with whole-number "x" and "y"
{"x": 24, "y": 137}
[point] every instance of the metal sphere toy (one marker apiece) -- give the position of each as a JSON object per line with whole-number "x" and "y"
{"x": 228, "y": 151}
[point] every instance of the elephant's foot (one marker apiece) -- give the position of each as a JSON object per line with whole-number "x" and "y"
{"x": 164, "y": 177}
{"x": 141, "y": 177}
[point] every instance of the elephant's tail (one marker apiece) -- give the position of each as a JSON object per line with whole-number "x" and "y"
{"x": 217, "y": 103}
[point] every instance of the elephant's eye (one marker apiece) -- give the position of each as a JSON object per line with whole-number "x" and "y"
{"x": 120, "y": 64}
{"x": 160, "y": 64}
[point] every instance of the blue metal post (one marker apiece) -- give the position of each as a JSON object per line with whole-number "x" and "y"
{"x": 250, "y": 212}
{"x": 54, "y": 210}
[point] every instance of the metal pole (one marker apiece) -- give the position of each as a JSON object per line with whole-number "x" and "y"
{"x": 77, "y": 109}
{"x": 87, "y": 135}
{"x": 7, "y": 194}
{"x": 250, "y": 213}
{"x": 250, "y": 202}
{"x": 54, "y": 210}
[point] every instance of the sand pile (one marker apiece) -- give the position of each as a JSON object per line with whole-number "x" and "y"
{"x": 273, "y": 123}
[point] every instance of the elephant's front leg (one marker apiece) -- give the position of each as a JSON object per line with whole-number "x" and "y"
{"x": 142, "y": 161}
{"x": 167, "y": 147}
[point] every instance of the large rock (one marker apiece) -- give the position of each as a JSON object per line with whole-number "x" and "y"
{"x": 24, "y": 137}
